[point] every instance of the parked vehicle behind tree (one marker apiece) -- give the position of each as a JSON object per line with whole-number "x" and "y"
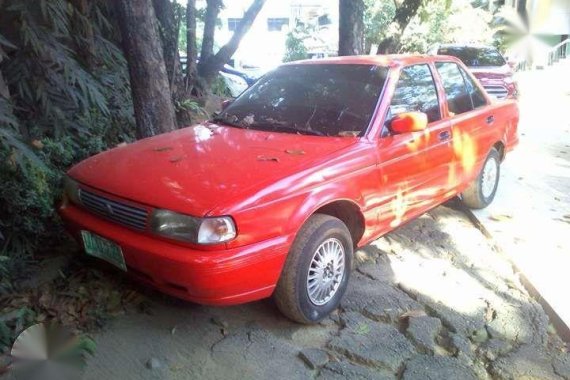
{"x": 273, "y": 195}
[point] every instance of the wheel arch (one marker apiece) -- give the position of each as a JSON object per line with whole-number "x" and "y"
{"x": 347, "y": 210}
{"x": 349, "y": 213}
{"x": 500, "y": 147}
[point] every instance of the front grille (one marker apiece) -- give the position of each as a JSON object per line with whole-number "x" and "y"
{"x": 118, "y": 212}
{"x": 498, "y": 92}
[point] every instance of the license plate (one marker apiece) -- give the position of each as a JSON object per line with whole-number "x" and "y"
{"x": 103, "y": 249}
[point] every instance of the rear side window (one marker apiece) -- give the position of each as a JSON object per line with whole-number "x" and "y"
{"x": 416, "y": 91}
{"x": 477, "y": 96}
{"x": 458, "y": 97}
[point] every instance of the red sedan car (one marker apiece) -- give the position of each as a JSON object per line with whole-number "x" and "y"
{"x": 272, "y": 196}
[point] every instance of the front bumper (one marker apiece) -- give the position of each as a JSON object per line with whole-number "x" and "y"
{"x": 224, "y": 277}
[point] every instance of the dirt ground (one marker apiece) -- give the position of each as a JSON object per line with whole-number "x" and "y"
{"x": 432, "y": 300}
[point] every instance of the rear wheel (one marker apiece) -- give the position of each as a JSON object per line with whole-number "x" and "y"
{"x": 317, "y": 270}
{"x": 482, "y": 189}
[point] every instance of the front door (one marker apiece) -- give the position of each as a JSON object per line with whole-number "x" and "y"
{"x": 414, "y": 166}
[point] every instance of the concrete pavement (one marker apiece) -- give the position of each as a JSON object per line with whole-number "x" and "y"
{"x": 530, "y": 216}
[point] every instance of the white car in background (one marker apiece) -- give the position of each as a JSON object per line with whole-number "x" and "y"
{"x": 236, "y": 84}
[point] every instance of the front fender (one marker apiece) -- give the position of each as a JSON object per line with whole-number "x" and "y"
{"x": 322, "y": 197}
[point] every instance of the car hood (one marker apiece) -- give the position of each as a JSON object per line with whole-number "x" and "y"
{"x": 196, "y": 169}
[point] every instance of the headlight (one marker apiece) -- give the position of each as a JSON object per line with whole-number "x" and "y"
{"x": 196, "y": 230}
{"x": 71, "y": 189}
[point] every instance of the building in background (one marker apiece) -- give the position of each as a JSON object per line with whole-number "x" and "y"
{"x": 264, "y": 45}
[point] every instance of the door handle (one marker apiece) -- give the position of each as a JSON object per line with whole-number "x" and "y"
{"x": 444, "y": 135}
{"x": 490, "y": 119}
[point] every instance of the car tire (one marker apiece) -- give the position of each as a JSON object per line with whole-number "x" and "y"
{"x": 317, "y": 270}
{"x": 482, "y": 190}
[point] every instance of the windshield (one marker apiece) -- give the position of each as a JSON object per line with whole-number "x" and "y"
{"x": 314, "y": 99}
{"x": 474, "y": 57}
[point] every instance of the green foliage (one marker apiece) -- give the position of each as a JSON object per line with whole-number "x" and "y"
{"x": 66, "y": 97}
{"x": 192, "y": 106}
{"x": 439, "y": 21}
{"x": 510, "y": 31}
{"x": 23, "y": 318}
{"x": 295, "y": 49}
{"x": 378, "y": 16}
{"x": 220, "y": 88}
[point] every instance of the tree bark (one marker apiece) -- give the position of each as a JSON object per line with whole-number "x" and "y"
{"x": 154, "y": 111}
{"x": 210, "y": 64}
{"x": 212, "y": 12}
{"x": 191, "y": 47}
{"x": 351, "y": 27}
{"x": 169, "y": 23}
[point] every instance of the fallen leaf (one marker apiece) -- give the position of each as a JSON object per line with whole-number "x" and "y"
{"x": 37, "y": 144}
{"x": 295, "y": 152}
{"x": 349, "y": 133}
{"x": 500, "y": 217}
{"x": 362, "y": 329}
{"x": 267, "y": 158}
{"x": 163, "y": 149}
{"x": 119, "y": 145}
{"x": 413, "y": 313}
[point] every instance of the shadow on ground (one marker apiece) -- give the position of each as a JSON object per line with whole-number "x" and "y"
{"x": 431, "y": 300}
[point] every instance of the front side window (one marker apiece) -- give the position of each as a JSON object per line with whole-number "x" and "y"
{"x": 315, "y": 99}
{"x": 458, "y": 98}
{"x": 415, "y": 91}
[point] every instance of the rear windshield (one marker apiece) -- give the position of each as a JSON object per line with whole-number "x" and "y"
{"x": 316, "y": 99}
{"x": 474, "y": 57}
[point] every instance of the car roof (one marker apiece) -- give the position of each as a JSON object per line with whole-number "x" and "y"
{"x": 389, "y": 60}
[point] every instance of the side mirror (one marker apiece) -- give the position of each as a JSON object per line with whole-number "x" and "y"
{"x": 512, "y": 64}
{"x": 409, "y": 122}
{"x": 226, "y": 103}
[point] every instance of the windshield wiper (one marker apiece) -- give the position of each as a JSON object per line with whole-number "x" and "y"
{"x": 285, "y": 128}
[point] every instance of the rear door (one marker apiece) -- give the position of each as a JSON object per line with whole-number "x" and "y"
{"x": 469, "y": 119}
{"x": 413, "y": 166}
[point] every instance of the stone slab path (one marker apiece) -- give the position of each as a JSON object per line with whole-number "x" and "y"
{"x": 432, "y": 300}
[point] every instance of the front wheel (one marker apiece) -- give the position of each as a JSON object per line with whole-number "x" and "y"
{"x": 317, "y": 270}
{"x": 482, "y": 190}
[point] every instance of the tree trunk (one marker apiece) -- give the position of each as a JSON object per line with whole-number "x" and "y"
{"x": 210, "y": 64}
{"x": 154, "y": 111}
{"x": 191, "y": 47}
{"x": 404, "y": 14}
{"x": 212, "y": 12}
{"x": 351, "y": 27}
{"x": 169, "y": 23}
